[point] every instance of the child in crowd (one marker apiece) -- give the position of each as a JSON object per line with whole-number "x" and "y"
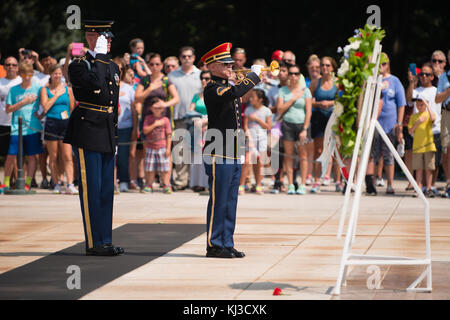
{"x": 257, "y": 125}
{"x": 158, "y": 133}
{"x": 23, "y": 101}
{"x": 137, "y": 63}
{"x": 423, "y": 153}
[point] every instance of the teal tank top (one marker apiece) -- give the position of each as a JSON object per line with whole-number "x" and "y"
{"x": 60, "y": 105}
{"x": 321, "y": 95}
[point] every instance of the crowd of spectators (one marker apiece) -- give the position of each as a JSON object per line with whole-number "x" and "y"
{"x": 159, "y": 95}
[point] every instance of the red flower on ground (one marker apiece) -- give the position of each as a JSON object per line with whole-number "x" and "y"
{"x": 277, "y": 292}
{"x": 359, "y": 54}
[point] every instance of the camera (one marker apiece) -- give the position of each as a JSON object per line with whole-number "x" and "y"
{"x": 25, "y": 52}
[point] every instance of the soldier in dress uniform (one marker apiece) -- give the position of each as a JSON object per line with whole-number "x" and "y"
{"x": 224, "y": 149}
{"x": 92, "y": 132}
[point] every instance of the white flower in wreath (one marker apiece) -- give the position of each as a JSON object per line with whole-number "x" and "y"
{"x": 345, "y": 66}
{"x": 338, "y": 108}
{"x": 352, "y": 46}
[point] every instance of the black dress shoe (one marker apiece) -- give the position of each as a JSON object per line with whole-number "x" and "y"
{"x": 235, "y": 253}
{"x": 217, "y": 252}
{"x": 105, "y": 250}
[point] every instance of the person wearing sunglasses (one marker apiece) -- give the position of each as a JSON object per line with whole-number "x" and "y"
{"x": 324, "y": 91}
{"x": 443, "y": 96}
{"x": 187, "y": 81}
{"x": 23, "y": 101}
{"x": 171, "y": 63}
{"x": 391, "y": 119}
{"x": 438, "y": 61}
{"x": 425, "y": 89}
{"x": 294, "y": 105}
{"x": 10, "y": 80}
{"x": 157, "y": 84}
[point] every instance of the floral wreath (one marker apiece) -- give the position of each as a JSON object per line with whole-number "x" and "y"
{"x": 354, "y": 71}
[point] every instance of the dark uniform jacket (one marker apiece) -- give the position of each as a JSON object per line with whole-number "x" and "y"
{"x": 223, "y": 105}
{"x": 93, "y": 123}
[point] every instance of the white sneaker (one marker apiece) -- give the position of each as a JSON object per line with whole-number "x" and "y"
{"x": 380, "y": 182}
{"x": 70, "y": 189}
{"x": 123, "y": 187}
{"x": 326, "y": 181}
{"x": 308, "y": 180}
{"x": 57, "y": 189}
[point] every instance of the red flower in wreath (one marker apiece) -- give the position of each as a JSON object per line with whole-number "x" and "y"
{"x": 359, "y": 54}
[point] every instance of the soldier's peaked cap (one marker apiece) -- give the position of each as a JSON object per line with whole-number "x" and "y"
{"x": 102, "y": 27}
{"x": 220, "y": 53}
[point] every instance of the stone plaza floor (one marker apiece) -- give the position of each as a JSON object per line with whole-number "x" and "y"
{"x": 290, "y": 242}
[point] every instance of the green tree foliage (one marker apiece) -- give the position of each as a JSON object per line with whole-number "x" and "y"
{"x": 414, "y": 29}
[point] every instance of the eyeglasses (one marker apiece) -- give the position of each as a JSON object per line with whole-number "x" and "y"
{"x": 325, "y": 65}
{"x": 437, "y": 61}
{"x": 294, "y": 73}
{"x": 186, "y": 56}
{"x": 424, "y": 74}
{"x": 10, "y": 65}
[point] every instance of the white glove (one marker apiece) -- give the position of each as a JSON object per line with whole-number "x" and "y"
{"x": 256, "y": 68}
{"x": 102, "y": 45}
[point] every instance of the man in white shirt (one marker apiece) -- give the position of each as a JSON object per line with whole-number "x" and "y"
{"x": 12, "y": 79}
{"x": 187, "y": 81}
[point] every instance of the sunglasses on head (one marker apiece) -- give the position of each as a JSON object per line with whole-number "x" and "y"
{"x": 437, "y": 61}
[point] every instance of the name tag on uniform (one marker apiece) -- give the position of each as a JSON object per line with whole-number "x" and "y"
{"x": 242, "y": 159}
{"x": 64, "y": 115}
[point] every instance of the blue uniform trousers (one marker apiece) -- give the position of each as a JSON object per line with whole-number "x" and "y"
{"x": 96, "y": 190}
{"x": 123, "y": 154}
{"x": 223, "y": 179}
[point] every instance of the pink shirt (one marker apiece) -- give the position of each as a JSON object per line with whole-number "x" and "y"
{"x": 157, "y": 138}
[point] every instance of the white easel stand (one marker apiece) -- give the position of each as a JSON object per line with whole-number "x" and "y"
{"x": 367, "y": 124}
